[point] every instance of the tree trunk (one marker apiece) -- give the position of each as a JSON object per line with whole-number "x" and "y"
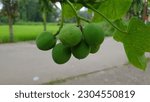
{"x": 145, "y": 11}
{"x": 44, "y": 20}
{"x": 11, "y": 33}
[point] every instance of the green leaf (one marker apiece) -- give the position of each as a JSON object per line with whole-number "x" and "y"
{"x": 135, "y": 56}
{"x": 139, "y": 35}
{"x": 118, "y": 36}
{"x": 68, "y": 12}
{"x": 136, "y": 42}
{"x": 113, "y": 9}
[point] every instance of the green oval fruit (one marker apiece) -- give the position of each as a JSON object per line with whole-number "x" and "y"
{"x": 70, "y": 35}
{"x": 81, "y": 50}
{"x": 45, "y": 41}
{"x": 94, "y": 48}
{"x": 61, "y": 54}
{"x": 93, "y": 34}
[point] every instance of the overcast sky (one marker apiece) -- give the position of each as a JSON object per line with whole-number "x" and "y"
{"x": 0, "y": 6}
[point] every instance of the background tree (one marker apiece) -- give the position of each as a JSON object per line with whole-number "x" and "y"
{"x": 135, "y": 8}
{"x": 10, "y": 10}
{"x": 29, "y": 10}
{"x": 145, "y": 11}
{"x": 22, "y": 8}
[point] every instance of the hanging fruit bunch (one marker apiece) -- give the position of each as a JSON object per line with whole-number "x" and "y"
{"x": 81, "y": 39}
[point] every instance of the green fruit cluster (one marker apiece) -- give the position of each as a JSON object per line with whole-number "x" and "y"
{"x": 73, "y": 41}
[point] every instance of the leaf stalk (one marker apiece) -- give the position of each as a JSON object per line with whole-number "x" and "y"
{"x": 92, "y": 8}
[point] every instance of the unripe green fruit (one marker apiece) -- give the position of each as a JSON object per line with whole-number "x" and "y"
{"x": 61, "y": 54}
{"x": 81, "y": 50}
{"x": 70, "y": 35}
{"x": 94, "y": 48}
{"x": 45, "y": 41}
{"x": 93, "y": 34}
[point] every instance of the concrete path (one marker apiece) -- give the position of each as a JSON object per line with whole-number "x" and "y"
{"x": 120, "y": 75}
{"x": 23, "y": 63}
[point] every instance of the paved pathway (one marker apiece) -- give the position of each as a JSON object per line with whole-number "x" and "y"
{"x": 23, "y": 63}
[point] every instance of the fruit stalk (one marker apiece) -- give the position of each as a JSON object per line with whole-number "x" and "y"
{"x": 76, "y": 14}
{"x": 86, "y": 20}
{"x": 62, "y": 19}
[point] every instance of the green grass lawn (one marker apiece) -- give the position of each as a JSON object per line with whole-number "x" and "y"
{"x": 24, "y": 32}
{"x": 29, "y": 31}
